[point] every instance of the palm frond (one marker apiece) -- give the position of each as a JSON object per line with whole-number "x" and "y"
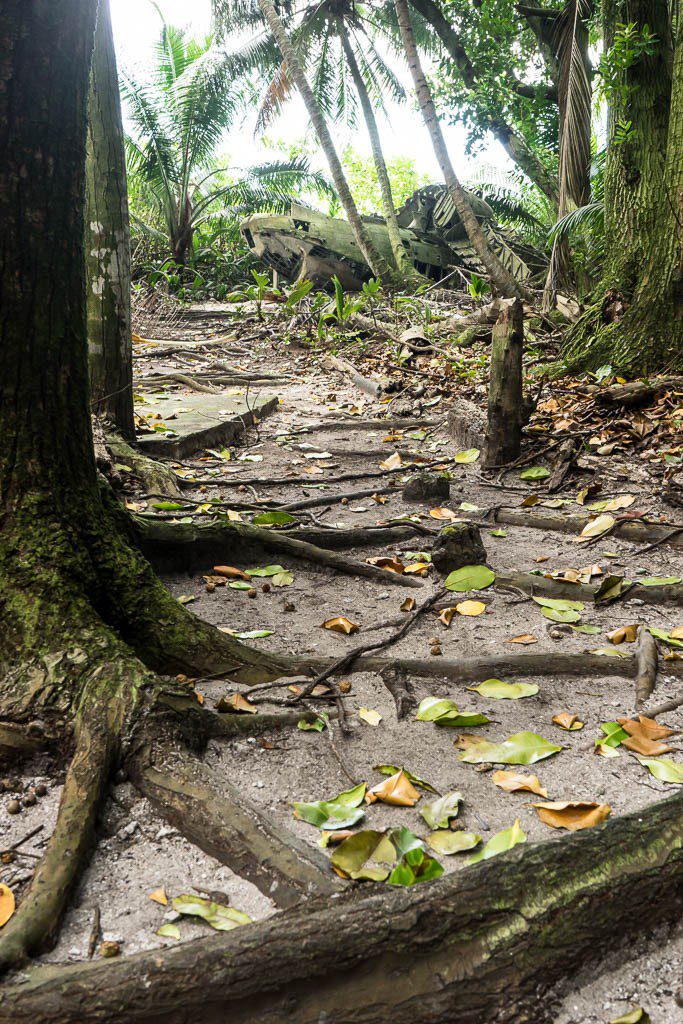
{"x": 571, "y": 40}
{"x": 589, "y": 219}
{"x": 279, "y": 90}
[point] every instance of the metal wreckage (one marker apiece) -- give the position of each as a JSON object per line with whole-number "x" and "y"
{"x": 306, "y": 244}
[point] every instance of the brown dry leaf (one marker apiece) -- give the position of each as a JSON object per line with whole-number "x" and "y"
{"x": 512, "y": 782}
{"x": 531, "y": 500}
{"x": 236, "y": 703}
{"x": 381, "y": 499}
{"x": 567, "y": 721}
{"x": 624, "y": 634}
{"x": 319, "y": 690}
{"x": 6, "y": 904}
{"x": 159, "y": 896}
{"x": 470, "y": 608}
{"x": 523, "y": 638}
{"x": 408, "y": 604}
{"x": 446, "y": 615}
{"x": 572, "y": 814}
{"x": 648, "y": 748}
{"x": 313, "y": 470}
{"x": 230, "y": 572}
{"x": 542, "y": 558}
{"x": 645, "y": 727}
{"x": 467, "y": 740}
{"x": 199, "y": 696}
{"x": 340, "y": 624}
{"x": 442, "y": 513}
{"x": 391, "y": 564}
{"x": 417, "y": 569}
{"x": 676, "y": 633}
{"x": 397, "y": 790}
{"x": 393, "y": 462}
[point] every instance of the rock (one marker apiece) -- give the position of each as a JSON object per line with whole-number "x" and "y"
{"x": 467, "y": 425}
{"x": 427, "y": 487}
{"x": 458, "y": 544}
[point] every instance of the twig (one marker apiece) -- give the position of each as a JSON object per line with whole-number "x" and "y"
{"x": 95, "y": 933}
{"x": 646, "y": 665}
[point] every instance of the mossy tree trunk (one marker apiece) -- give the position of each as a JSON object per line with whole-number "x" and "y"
{"x": 108, "y": 239}
{"x": 643, "y": 218}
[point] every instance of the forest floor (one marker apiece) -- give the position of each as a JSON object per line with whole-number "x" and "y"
{"x": 318, "y": 432}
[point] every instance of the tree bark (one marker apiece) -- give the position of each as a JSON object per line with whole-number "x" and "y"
{"x": 404, "y": 267}
{"x": 485, "y": 943}
{"x": 372, "y": 257}
{"x": 504, "y": 429}
{"x": 108, "y": 240}
{"x": 500, "y": 277}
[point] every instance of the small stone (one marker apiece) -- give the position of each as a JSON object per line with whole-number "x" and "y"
{"x": 13, "y": 807}
{"x": 382, "y": 597}
{"x": 128, "y": 830}
{"x": 484, "y": 767}
{"x": 266, "y": 588}
{"x": 435, "y": 650}
{"x": 29, "y": 800}
{"x": 120, "y": 776}
{"x": 251, "y": 593}
{"x": 258, "y": 784}
{"x": 109, "y": 949}
{"x": 164, "y": 833}
{"x": 290, "y": 606}
{"x": 41, "y": 789}
{"x": 457, "y": 545}
{"x": 344, "y": 501}
{"x": 344, "y": 686}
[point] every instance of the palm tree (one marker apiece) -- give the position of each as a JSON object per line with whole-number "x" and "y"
{"x": 333, "y": 37}
{"x": 179, "y": 118}
{"x": 295, "y": 73}
{"x": 500, "y": 276}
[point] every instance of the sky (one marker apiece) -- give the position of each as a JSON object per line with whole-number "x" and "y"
{"x": 136, "y": 27}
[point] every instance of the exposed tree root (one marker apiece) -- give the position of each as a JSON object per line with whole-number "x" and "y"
{"x": 626, "y": 529}
{"x": 184, "y": 543}
{"x": 486, "y": 942}
{"x": 541, "y": 586}
{"x": 222, "y": 822}
{"x": 154, "y": 476}
{"x": 646, "y": 665}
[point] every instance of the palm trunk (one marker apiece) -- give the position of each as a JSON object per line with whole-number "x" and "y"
{"x": 368, "y": 251}
{"x": 108, "y": 240}
{"x": 500, "y": 277}
{"x": 403, "y": 262}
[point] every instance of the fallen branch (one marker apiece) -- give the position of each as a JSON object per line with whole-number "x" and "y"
{"x": 343, "y": 366}
{"x": 463, "y": 948}
{"x": 543, "y": 586}
{"x": 646, "y": 665}
{"x": 335, "y": 499}
{"x": 633, "y": 530}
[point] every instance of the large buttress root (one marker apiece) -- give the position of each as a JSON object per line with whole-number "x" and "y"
{"x": 487, "y": 940}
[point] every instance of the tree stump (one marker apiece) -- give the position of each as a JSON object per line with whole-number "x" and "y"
{"x": 427, "y": 487}
{"x": 505, "y": 409}
{"x": 457, "y": 544}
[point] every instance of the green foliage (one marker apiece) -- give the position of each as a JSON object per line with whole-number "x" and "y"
{"x": 631, "y": 43}
{"x": 362, "y": 178}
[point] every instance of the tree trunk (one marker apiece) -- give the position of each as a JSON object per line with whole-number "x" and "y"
{"x": 404, "y": 266}
{"x": 504, "y": 429}
{"x": 500, "y": 277}
{"x": 108, "y": 240}
{"x": 374, "y": 260}
{"x": 643, "y": 186}
{"x": 483, "y": 944}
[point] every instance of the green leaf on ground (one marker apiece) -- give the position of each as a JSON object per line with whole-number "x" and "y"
{"x": 341, "y": 811}
{"x": 168, "y": 931}
{"x": 558, "y": 615}
{"x": 366, "y": 855}
{"x": 496, "y": 689}
{"x": 467, "y": 456}
{"x": 273, "y": 519}
{"x": 415, "y": 864}
{"x": 664, "y": 770}
{"x": 448, "y": 843}
{"x": 240, "y": 585}
{"x": 266, "y": 570}
{"x": 500, "y": 843}
{"x": 470, "y": 577}
{"x": 439, "y": 813}
{"x": 534, "y": 473}
{"x": 253, "y": 634}
{"x": 223, "y": 919}
{"x": 317, "y": 725}
{"x": 659, "y": 581}
{"x": 445, "y": 712}
{"x": 522, "y": 748}
{"x": 614, "y": 735}
{"x": 637, "y": 1016}
{"x": 559, "y": 604}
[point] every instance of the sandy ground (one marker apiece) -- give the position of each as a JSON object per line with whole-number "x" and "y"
{"x": 139, "y": 853}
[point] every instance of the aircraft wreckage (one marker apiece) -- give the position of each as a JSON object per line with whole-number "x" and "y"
{"x": 306, "y": 244}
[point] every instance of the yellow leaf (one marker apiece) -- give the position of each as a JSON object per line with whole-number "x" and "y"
{"x": 236, "y": 703}
{"x": 442, "y": 513}
{"x": 159, "y": 896}
{"x": 572, "y": 814}
{"x": 567, "y": 721}
{"x": 390, "y": 564}
{"x": 369, "y": 716}
{"x": 445, "y": 616}
{"x": 596, "y": 527}
{"x": 624, "y": 634}
{"x": 417, "y": 569}
{"x": 645, "y": 727}
{"x": 393, "y": 462}
{"x": 512, "y": 782}
{"x": 397, "y": 790}
{"x": 408, "y": 604}
{"x": 470, "y": 608}
{"x": 340, "y": 624}
{"x": 523, "y": 638}
{"x": 676, "y": 633}
{"x": 6, "y": 904}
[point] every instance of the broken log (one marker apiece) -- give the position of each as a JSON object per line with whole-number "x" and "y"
{"x": 626, "y": 529}
{"x": 481, "y": 944}
{"x": 347, "y": 369}
{"x": 505, "y": 408}
{"x": 542, "y": 586}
